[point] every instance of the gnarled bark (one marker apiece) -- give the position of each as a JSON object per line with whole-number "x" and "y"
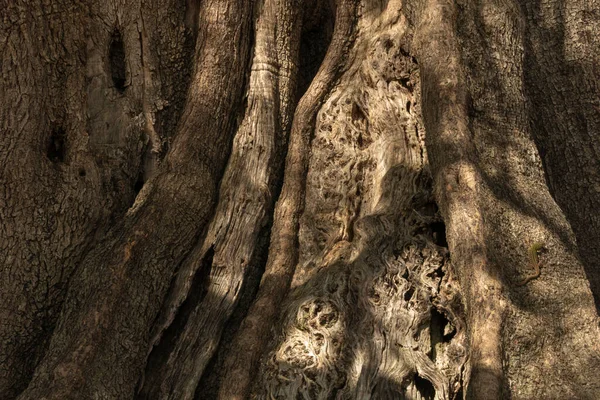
{"x": 432, "y": 148}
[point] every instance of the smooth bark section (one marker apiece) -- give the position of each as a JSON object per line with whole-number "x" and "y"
{"x": 254, "y": 333}
{"x": 453, "y": 160}
{"x": 102, "y": 337}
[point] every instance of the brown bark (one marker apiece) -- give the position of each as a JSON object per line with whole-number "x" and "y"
{"x": 436, "y": 143}
{"x": 116, "y": 292}
{"x": 561, "y": 80}
{"x": 72, "y": 149}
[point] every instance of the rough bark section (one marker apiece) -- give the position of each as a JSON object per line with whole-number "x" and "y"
{"x": 450, "y": 145}
{"x": 240, "y": 366}
{"x": 364, "y": 318}
{"x": 244, "y": 210}
{"x": 71, "y": 148}
{"x": 562, "y": 79}
{"x": 100, "y": 342}
{"x": 525, "y": 342}
{"x": 544, "y": 341}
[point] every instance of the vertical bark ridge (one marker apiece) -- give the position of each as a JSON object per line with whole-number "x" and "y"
{"x": 117, "y": 292}
{"x": 249, "y": 342}
{"x": 245, "y": 203}
{"x": 495, "y": 202}
{"x": 454, "y": 163}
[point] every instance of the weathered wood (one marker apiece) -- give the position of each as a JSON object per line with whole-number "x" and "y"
{"x": 239, "y": 221}
{"x": 251, "y": 339}
{"x": 426, "y": 119}
{"x": 364, "y": 317}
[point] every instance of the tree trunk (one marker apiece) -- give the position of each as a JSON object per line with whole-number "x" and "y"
{"x": 299, "y": 199}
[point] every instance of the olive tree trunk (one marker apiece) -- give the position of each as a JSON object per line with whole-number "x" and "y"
{"x": 299, "y": 199}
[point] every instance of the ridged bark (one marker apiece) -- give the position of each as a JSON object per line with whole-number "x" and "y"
{"x": 161, "y": 238}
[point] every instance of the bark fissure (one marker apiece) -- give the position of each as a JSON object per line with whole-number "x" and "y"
{"x": 117, "y": 61}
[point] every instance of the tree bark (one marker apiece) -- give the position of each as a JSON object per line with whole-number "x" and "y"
{"x": 163, "y": 239}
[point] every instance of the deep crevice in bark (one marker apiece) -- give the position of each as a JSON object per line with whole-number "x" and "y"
{"x": 438, "y": 233}
{"x": 157, "y": 361}
{"x": 139, "y": 183}
{"x": 424, "y": 387}
{"x": 315, "y": 39}
{"x": 117, "y": 61}
{"x": 57, "y": 145}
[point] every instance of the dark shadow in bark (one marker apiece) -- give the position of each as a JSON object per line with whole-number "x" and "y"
{"x": 317, "y": 31}
{"x": 57, "y": 145}
{"x": 139, "y": 182}
{"x": 562, "y": 137}
{"x": 208, "y": 387}
{"x": 424, "y": 387}
{"x": 117, "y": 61}
{"x": 441, "y": 330}
{"x": 438, "y": 233}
